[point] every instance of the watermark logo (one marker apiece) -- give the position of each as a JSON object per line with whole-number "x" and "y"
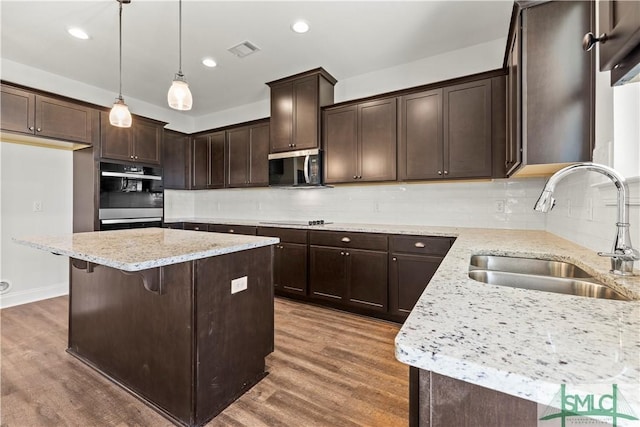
{"x": 608, "y": 408}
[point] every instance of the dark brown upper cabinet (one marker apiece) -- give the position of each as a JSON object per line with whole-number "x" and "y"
{"x": 247, "y": 156}
{"x": 551, "y": 87}
{"x": 28, "y": 113}
{"x": 175, "y": 161}
{"x": 360, "y": 142}
{"x": 208, "y": 161}
{"x": 141, "y": 143}
{"x": 620, "y": 53}
{"x": 295, "y": 109}
{"x": 446, "y": 133}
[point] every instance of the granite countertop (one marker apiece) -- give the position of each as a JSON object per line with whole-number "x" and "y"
{"x": 521, "y": 342}
{"x": 143, "y": 248}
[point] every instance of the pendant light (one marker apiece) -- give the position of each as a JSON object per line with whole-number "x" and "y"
{"x": 179, "y": 96}
{"x": 120, "y": 115}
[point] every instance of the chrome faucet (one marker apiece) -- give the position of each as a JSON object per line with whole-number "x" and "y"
{"x": 623, "y": 254}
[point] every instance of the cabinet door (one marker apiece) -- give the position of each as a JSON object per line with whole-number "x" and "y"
{"x": 281, "y": 123}
{"x": 467, "y": 130}
{"x": 377, "y": 140}
{"x": 238, "y": 157}
{"x": 306, "y": 112}
{"x": 420, "y": 148}
{"x": 367, "y": 279}
{"x": 17, "y": 111}
{"x": 341, "y": 144}
{"x": 65, "y": 120}
{"x": 175, "y": 164}
{"x": 259, "y": 155}
{"x": 200, "y": 162}
{"x": 216, "y": 160}
{"x": 620, "y": 20}
{"x": 290, "y": 268}
{"x": 147, "y": 142}
{"x": 513, "y": 155}
{"x": 328, "y": 273}
{"x": 558, "y": 83}
{"x": 115, "y": 142}
{"x": 409, "y": 275}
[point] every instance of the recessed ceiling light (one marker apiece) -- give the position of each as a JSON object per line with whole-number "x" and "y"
{"x": 300, "y": 27}
{"x": 209, "y": 62}
{"x": 78, "y": 33}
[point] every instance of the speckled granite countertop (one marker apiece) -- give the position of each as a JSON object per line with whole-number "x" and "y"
{"x": 142, "y": 248}
{"x": 521, "y": 342}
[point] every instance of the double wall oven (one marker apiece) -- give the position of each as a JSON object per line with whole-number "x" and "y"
{"x": 130, "y": 196}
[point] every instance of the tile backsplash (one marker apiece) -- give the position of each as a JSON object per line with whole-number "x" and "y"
{"x": 493, "y": 204}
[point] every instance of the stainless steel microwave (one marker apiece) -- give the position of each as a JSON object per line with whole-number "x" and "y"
{"x": 296, "y": 169}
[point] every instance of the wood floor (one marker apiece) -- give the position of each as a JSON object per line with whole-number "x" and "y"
{"x": 329, "y": 369}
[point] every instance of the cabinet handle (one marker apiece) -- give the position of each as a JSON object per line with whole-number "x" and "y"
{"x": 231, "y": 230}
{"x": 589, "y": 40}
{"x": 346, "y": 253}
{"x": 439, "y": 172}
{"x": 355, "y": 176}
{"x": 197, "y": 228}
{"x": 446, "y": 172}
{"x": 31, "y": 128}
{"x": 394, "y": 259}
{"x": 341, "y": 253}
{"x": 131, "y": 157}
{"x": 39, "y": 129}
{"x": 345, "y": 239}
{"x": 419, "y": 245}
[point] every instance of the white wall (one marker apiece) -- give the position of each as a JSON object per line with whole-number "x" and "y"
{"x": 29, "y": 174}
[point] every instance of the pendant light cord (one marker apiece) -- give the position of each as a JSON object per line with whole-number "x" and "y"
{"x": 180, "y": 38}
{"x": 120, "y": 35}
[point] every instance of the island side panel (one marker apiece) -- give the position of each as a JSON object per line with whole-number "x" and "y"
{"x": 234, "y": 331}
{"x": 138, "y": 338}
{"x": 440, "y": 401}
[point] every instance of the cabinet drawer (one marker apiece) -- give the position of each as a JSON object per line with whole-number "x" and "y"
{"x": 420, "y": 244}
{"x": 348, "y": 240}
{"x": 234, "y": 229}
{"x": 288, "y": 235}
{"x": 197, "y": 226}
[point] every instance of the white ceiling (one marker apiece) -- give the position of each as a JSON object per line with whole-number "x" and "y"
{"x": 346, "y": 38}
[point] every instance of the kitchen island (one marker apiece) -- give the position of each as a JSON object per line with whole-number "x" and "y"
{"x": 183, "y": 320}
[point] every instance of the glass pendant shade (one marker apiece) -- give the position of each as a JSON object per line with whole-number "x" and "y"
{"x": 179, "y": 96}
{"x": 120, "y": 115}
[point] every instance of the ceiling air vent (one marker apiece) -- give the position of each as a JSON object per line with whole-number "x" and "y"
{"x": 245, "y": 48}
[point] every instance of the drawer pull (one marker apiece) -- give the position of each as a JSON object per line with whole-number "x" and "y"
{"x": 419, "y": 245}
{"x": 345, "y": 239}
{"x": 231, "y": 230}
{"x": 197, "y": 228}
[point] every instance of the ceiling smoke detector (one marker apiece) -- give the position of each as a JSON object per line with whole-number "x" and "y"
{"x": 245, "y": 48}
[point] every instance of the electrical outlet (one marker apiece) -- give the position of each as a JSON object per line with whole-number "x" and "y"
{"x": 37, "y": 206}
{"x": 239, "y": 285}
{"x": 499, "y": 206}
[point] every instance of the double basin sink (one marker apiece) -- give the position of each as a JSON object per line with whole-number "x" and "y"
{"x": 538, "y": 274}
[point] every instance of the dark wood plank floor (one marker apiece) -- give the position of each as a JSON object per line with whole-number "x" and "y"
{"x": 329, "y": 369}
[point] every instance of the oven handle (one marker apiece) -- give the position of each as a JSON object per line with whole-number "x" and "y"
{"x": 131, "y": 175}
{"x": 129, "y": 220}
{"x": 306, "y": 169}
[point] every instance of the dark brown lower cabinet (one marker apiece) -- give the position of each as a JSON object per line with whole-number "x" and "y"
{"x": 290, "y": 260}
{"x": 355, "y": 277}
{"x": 439, "y": 401}
{"x": 233, "y": 229}
{"x": 409, "y": 276}
{"x": 413, "y": 261}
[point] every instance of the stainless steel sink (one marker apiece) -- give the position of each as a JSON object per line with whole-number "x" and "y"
{"x": 538, "y": 274}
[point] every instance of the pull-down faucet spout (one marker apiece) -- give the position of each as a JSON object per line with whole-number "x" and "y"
{"x": 623, "y": 254}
